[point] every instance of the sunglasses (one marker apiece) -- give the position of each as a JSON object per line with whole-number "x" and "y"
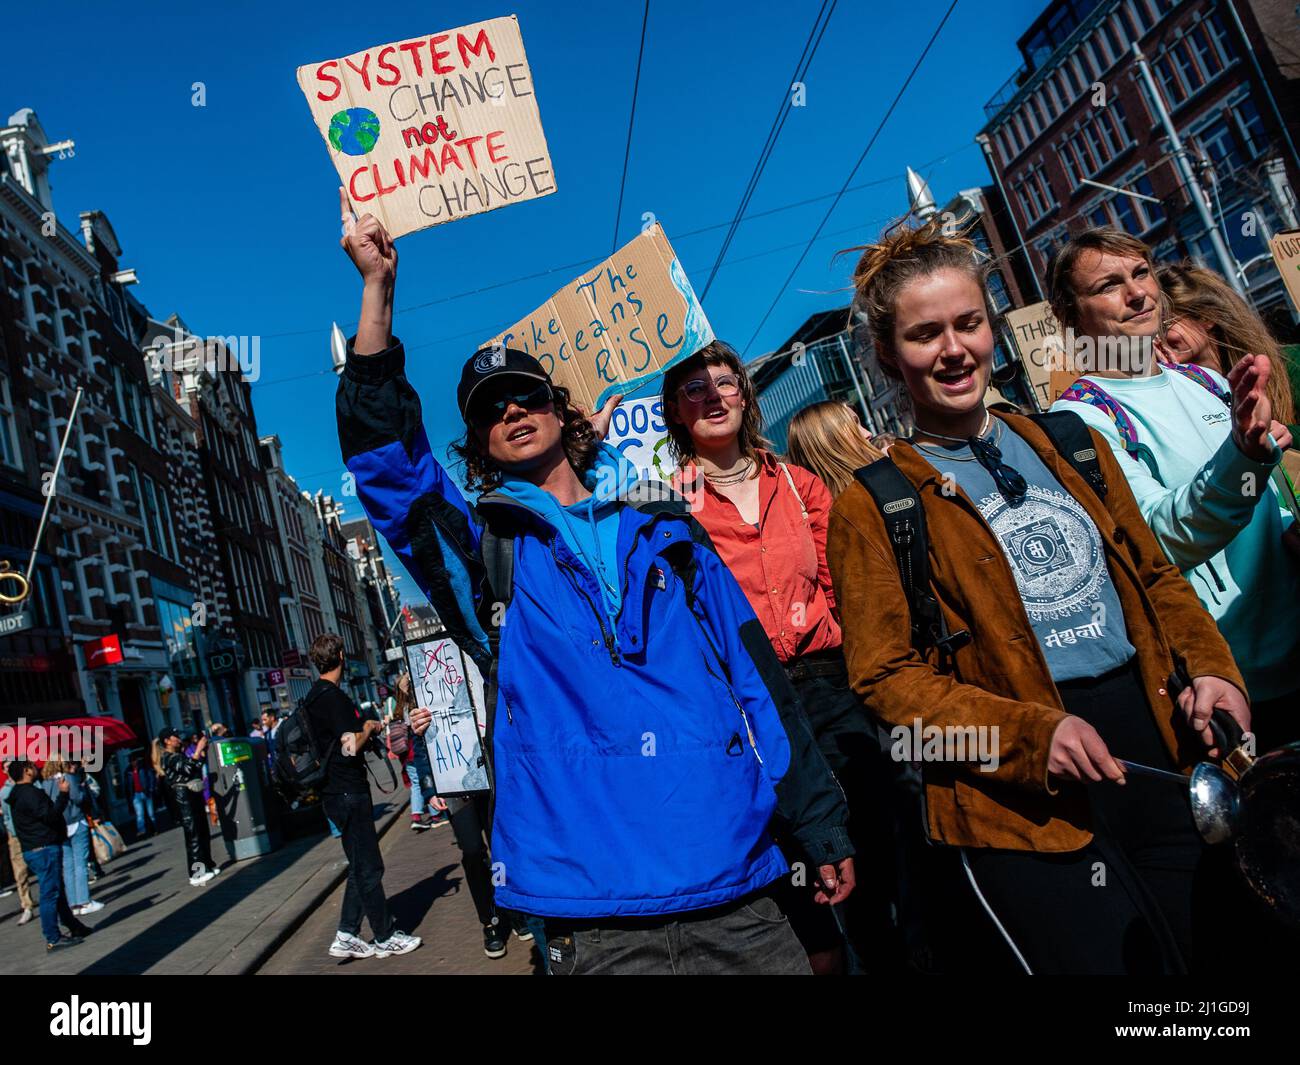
{"x": 1010, "y": 483}
{"x": 726, "y": 385}
{"x": 490, "y": 411}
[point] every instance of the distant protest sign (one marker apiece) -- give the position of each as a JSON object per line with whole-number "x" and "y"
{"x": 434, "y": 128}
{"x": 617, "y": 327}
{"x": 1286, "y": 253}
{"x": 1038, "y": 340}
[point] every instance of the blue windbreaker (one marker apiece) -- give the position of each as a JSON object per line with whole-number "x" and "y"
{"x": 639, "y": 760}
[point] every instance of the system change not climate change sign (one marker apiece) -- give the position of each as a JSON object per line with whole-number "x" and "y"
{"x": 433, "y": 129}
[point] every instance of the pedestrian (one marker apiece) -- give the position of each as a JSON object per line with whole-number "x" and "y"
{"x": 142, "y": 783}
{"x": 184, "y": 776}
{"x": 767, "y": 521}
{"x": 42, "y": 831}
{"x": 342, "y": 738}
{"x": 156, "y": 755}
{"x": 23, "y": 876}
{"x": 270, "y": 726}
{"x": 1039, "y": 621}
{"x": 828, "y": 439}
{"x": 643, "y": 734}
{"x": 76, "y": 843}
{"x": 398, "y": 740}
{"x": 1199, "y": 452}
{"x": 92, "y": 808}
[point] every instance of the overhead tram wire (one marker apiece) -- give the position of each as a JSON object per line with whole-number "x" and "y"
{"x": 627, "y": 152}
{"x": 844, "y": 188}
{"x": 773, "y": 134}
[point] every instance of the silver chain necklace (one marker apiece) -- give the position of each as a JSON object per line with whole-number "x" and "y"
{"x": 728, "y": 479}
{"x": 961, "y": 439}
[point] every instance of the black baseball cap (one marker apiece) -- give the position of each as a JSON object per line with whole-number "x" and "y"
{"x": 492, "y": 362}
{"x": 167, "y": 734}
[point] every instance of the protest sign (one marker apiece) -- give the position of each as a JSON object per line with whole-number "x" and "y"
{"x": 1286, "y": 253}
{"x": 445, "y": 681}
{"x": 1037, "y": 337}
{"x": 433, "y": 129}
{"x": 618, "y": 326}
{"x": 640, "y": 433}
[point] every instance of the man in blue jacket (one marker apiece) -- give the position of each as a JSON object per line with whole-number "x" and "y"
{"x": 643, "y": 737}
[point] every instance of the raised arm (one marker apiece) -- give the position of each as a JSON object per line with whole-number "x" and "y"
{"x": 408, "y": 496}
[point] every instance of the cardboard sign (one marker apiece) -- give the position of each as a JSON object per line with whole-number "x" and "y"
{"x": 433, "y": 129}
{"x": 1037, "y": 337}
{"x": 1286, "y": 253}
{"x": 639, "y": 431}
{"x": 445, "y": 681}
{"x": 617, "y": 327}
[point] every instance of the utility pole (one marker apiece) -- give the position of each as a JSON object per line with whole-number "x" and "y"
{"x": 1182, "y": 163}
{"x": 983, "y": 141}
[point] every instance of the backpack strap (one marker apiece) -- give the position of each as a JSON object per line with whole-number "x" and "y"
{"x": 790, "y": 480}
{"x": 1085, "y": 391}
{"x": 1069, "y": 435}
{"x": 498, "y": 555}
{"x": 1198, "y": 374}
{"x": 900, "y": 506}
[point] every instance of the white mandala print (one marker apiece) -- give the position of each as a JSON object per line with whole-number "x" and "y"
{"x": 1054, "y": 549}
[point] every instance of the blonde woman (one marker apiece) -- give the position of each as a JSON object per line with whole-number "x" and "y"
{"x": 828, "y": 439}
{"x": 1208, "y": 324}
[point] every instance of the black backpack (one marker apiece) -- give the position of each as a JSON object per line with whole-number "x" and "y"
{"x": 298, "y": 765}
{"x": 900, "y": 505}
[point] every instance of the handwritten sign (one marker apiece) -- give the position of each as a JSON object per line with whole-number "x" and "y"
{"x": 1037, "y": 338}
{"x": 445, "y": 681}
{"x": 433, "y": 129}
{"x": 639, "y": 431}
{"x": 1286, "y": 253}
{"x": 617, "y": 327}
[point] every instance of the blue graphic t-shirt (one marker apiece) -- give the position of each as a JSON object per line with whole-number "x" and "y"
{"x": 1056, "y": 555}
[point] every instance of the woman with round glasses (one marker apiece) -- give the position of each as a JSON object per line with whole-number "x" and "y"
{"x": 767, "y": 520}
{"x": 1063, "y": 641}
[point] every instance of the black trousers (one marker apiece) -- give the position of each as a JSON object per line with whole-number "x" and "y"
{"x": 354, "y": 815}
{"x": 850, "y": 740}
{"x": 469, "y": 821}
{"x": 1138, "y": 897}
{"x": 194, "y": 822}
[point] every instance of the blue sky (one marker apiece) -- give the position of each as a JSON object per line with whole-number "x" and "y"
{"x": 229, "y": 211}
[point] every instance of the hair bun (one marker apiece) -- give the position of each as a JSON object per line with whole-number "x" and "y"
{"x": 903, "y": 242}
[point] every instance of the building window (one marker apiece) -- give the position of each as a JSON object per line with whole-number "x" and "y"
{"x": 10, "y": 454}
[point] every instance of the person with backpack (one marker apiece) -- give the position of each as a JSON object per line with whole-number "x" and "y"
{"x": 184, "y": 771}
{"x": 1200, "y": 452}
{"x": 642, "y": 736}
{"x": 339, "y": 737}
{"x": 767, "y": 520}
{"x": 1016, "y": 624}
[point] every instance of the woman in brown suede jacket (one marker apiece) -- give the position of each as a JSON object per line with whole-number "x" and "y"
{"x": 1078, "y": 626}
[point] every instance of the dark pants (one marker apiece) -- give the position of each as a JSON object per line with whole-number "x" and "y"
{"x": 469, "y": 819}
{"x": 1136, "y": 898}
{"x": 747, "y": 937}
{"x": 849, "y": 738}
{"x": 354, "y": 815}
{"x": 1275, "y": 721}
{"x": 46, "y": 864}
{"x": 194, "y": 822}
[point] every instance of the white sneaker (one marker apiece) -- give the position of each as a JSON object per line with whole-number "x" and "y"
{"x": 397, "y": 943}
{"x": 90, "y": 907}
{"x": 201, "y": 879}
{"x": 26, "y": 917}
{"x": 349, "y": 946}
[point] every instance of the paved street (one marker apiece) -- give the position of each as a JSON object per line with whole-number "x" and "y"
{"x": 426, "y": 888}
{"x": 155, "y": 922}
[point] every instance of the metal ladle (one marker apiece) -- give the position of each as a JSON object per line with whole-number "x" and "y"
{"x": 1213, "y": 794}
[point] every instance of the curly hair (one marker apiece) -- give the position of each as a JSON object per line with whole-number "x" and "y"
{"x": 577, "y": 437}
{"x": 716, "y": 353}
{"x": 899, "y": 257}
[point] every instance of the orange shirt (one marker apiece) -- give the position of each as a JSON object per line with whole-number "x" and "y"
{"x": 781, "y": 565}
